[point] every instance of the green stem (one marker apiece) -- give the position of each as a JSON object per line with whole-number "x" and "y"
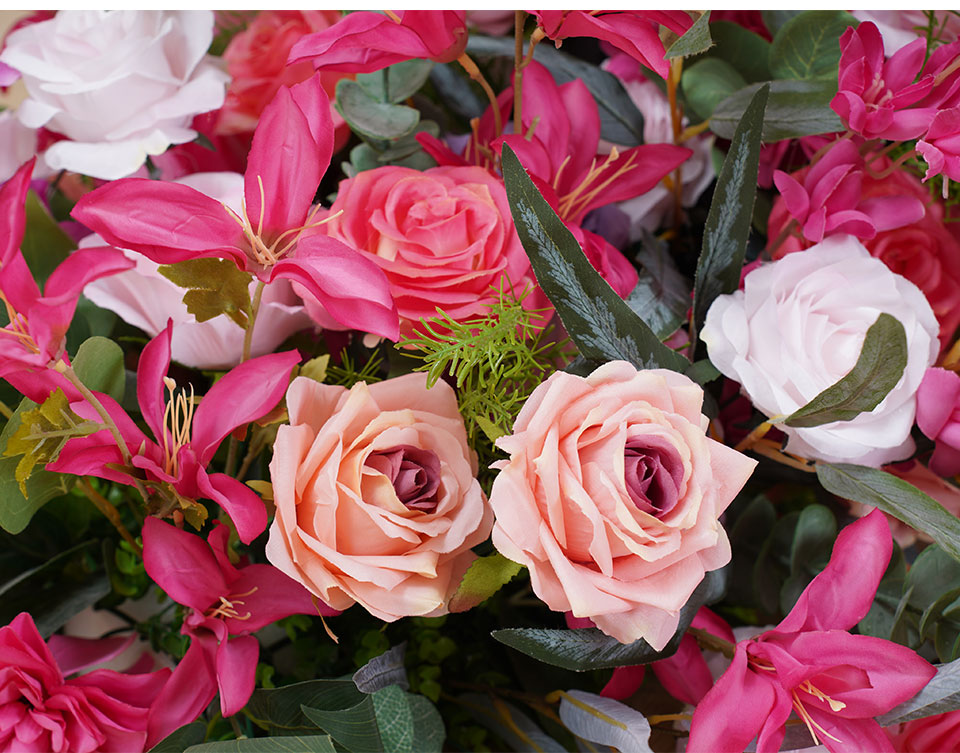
{"x": 712, "y": 642}
{"x": 231, "y": 463}
{"x": 519, "y": 18}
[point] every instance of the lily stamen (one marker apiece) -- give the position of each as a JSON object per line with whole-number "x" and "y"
{"x": 177, "y": 419}
{"x": 227, "y": 608}
{"x": 812, "y": 725}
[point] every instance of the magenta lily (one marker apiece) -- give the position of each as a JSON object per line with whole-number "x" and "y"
{"x": 276, "y": 235}
{"x": 186, "y": 439}
{"x": 834, "y": 681}
{"x": 364, "y": 41}
{"x": 35, "y": 337}
{"x": 226, "y": 604}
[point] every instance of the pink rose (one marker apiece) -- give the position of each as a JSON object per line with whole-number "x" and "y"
{"x": 611, "y": 497}
{"x": 376, "y": 497}
{"x": 102, "y": 710}
{"x": 257, "y": 63}
{"x": 938, "y": 416}
{"x": 443, "y": 237}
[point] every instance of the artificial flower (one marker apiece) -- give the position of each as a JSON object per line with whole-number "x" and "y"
{"x": 797, "y": 327}
{"x": 940, "y": 145}
{"x": 940, "y": 732}
{"x": 611, "y": 497}
{"x": 376, "y": 498}
{"x": 938, "y": 416}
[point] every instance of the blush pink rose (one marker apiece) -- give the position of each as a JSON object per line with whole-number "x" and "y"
{"x": 611, "y": 497}
{"x": 376, "y": 495}
{"x": 443, "y": 237}
{"x": 41, "y": 710}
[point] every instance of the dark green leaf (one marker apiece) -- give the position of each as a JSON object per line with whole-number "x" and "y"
{"x": 509, "y": 723}
{"x": 707, "y": 83}
{"x": 453, "y": 89}
{"x": 702, "y": 372}
{"x": 795, "y": 109}
{"x": 695, "y": 40}
{"x": 89, "y": 320}
{"x": 354, "y": 728}
{"x": 370, "y": 118}
{"x": 932, "y": 573}
{"x": 747, "y": 536}
{"x": 52, "y": 592}
{"x": 775, "y": 19}
{"x": 620, "y": 120}
{"x": 772, "y": 568}
{"x": 483, "y": 579}
{"x": 99, "y": 364}
{"x": 935, "y": 612}
{"x": 808, "y": 45}
{"x": 601, "y": 325}
{"x": 728, "y": 223}
{"x": 278, "y": 709}
{"x": 382, "y": 671}
{"x": 181, "y": 739}
{"x": 290, "y": 744}
{"x": 940, "y": 695}
{"x": 397, "y": 82}
{"x": 44, "y": 244}
{"x": 746, "y": 51}
{"x": 661, "y": 296}
{"x": 394, "y": 718}
{"x": 428, "y": 729}
{"x": 588, "y": 648}
{"x": 812, "y": 544}
{"x": 896, "y": 497}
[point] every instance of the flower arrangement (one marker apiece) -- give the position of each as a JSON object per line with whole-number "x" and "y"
{"x": 412, "y": 380}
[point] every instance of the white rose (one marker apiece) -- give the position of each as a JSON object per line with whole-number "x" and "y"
{"x": 120, "y": 85}
{"x": 146, "y": 299}
{"x": 17, "y": 144}
{"x": 797, "y": 327}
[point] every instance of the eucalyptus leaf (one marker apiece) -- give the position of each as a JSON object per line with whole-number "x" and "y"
{"x": 279, "y": 709}
{"x": 794, "y": 109}
{"x": 290, "y": 744}
{"x": 728, "y": 222}
{"x": 383, "y": 671}
{"x": 588, "y": 648}
{"x": 807, "y": 46}
{"x": 428, "y": 729}
{"x": 394, "y": 719}
{"x": 695, "y": 40}
{"x": 484, "y": 577}
{"x": 879, "y": 621}
{"x": 181, "y": 739}
{"x": 932, "y": 573}
{"x": 775, "y": 19}
{"x": 354, "y": 728}
{"x": 940, "y": 695}
{"x": 453, "y": 88}
{"x": 605, "y": 721}
{"x": 397, "y": 82}
{"x": 661, "y": 296}
{"x": 370, "y": 118}
{"x": 746, "y": 51}
{"x": 896, "y": 497}
{"x": 707, "y": 82}
{"x": 99, "y": 365}
{"x": 601, "y": 325}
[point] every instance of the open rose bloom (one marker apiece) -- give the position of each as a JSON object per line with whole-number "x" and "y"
{"x": 410, "y": 380}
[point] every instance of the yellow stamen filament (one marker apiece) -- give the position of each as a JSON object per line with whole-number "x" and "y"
{"x": 19, "y": 326}
{"x": 177, "y": 418}
{"x": 227, "y": 607}
{"x": 807, "y": 687}
{"x": 573, "y": 203}
{"x": 809, "y": 721}
{"x": 392, "y": 16}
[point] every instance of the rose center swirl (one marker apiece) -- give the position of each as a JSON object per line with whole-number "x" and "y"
{"x": 414, "y": 473}
{"x": 653, "y": 473}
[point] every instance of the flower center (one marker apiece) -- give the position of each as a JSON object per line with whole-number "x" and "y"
{"x": 19, "y": 326}
{"x": 228, "y": 607}
{"x": 598, "y": 178}
{"x": 414, "y": 473}
{"x": 808, "y": 688}
{"x": 177, "y": 418}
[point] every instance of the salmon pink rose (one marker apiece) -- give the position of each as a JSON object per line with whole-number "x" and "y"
{"x": 376, "y": 497}
{"x": 612, "y": 494}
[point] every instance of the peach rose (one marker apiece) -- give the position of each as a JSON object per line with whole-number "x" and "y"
{"x": 612, "y": 494}
{"x": 376, "y": 497}
{"x": 444, "y": 237}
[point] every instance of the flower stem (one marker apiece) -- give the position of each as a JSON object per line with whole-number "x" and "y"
{"x": 518, "y": 21}
{"x": 109, "y": 512}
{"x": 231, "y": 463}
{"x": 711, "y": 642}
{"x": 95, "y": 403}
{"x": 676, "y": 122}
{"x": 474, "y": 72}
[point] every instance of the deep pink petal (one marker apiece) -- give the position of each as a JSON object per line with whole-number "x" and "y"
{"x": 351, "y": 287}
{"x": 794, "y": 195}
{"x": 13, "y": 194}
{"x": 139, "y": 689}
{"x": 187, "y": 693}
{"x": 290, "y": 153}
{"x": 151, "y": 369}
{"x": 17, "y": 283}
{"x": 842, "y": 594}
{"x": 73, "y": 653}
{"x": 850, "y": 735}
{"x": 945, "y": 460}
{"x": 624, "y": 682}
{"x": 276, "y": 596}
{"x": 937, "y": 397}
{"x": 236, "y": 672}
{"x": 439, "y": 150}
{"x": 240, "y": 502}
{"x": 219, "y": 541}
{"x": 82, "y": 267}
{"x": 166, "y": 222}
{"x": 244, "y": 394}
{"x": 685, "y": 675}
{"x": 182, "y": 565}
{"x": 891, "y": 212}
{"x": 92, "y": 455}
{"x": 542, "y": 102}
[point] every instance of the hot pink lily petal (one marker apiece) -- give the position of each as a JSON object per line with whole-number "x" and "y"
{"x": 352, "y": 288}
{"x": 81, "y": 267}
{"x": 236, "y": 672}
{"x": 187, "y": 693}
{"x": 291, "y": 151}
{"x": 244, "y": 394}
{"x": 17, "y": 283}
{"x": 840, "y": 596}
{"x": 73, "y": 653}
{"x": 182, "y": 565}
{"x": 166, "y": 222}
{"x": 276, "y": 596}
{"x": 151, "y": 370}
{"x": 13, "y": 219}
{"x": 852, "y": 735}
{"x": 240, "y": 502}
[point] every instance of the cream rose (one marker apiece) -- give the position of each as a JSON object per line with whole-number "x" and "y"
{"x": 797, "y": 327}
{"x": 376, "y": 497}
{"x": 611, "y": 497}
{"x": 120, "y": 85}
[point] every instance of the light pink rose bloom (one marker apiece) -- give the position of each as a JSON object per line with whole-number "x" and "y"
{"x": 376, "y": 497}
{"x": 146, "y": 299}
{"x": 612, "y": 494}
{"x": 120, "y": 85}
{"x": 17, "y": 144}
{"x": 797, "y": 327}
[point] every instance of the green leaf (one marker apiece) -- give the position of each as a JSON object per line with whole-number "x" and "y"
{"x": 605, "y": 721}
{"x": 931, "y": 574}
{"x": 695, "y": 40}
{"x": 428, "y": 729}
{"x": 702, "y": 372}
{"x": 620, "y": 120}
{"x": 746, "y": 51}
{"x": 750, "y": 530}
{"x": 707, "y": 83}
{"x": 99, "y": 364}
{"x": 279, "y": 709}
{"x": 812, "y": 544}
{"x": 89, "y": 320}
{"x": 290, "y": 744}
{"x": 808, "y": 45}
{"x": 397, "y": 82}
{"x": 878, "y": 369}
{"x": 509, "y": 724}
{"x": 896, "y": 497}
{"x": 383, "y": 671}
{"x": 181, "y": 739}
{"x": 483, "y": 579}
{"x": 728, "y": 222}
{"x": 53, "y": 592}
{"x": 598, "y": 321}
{"x": 879, "y": 621}
{"x": 775, "y": 19}
{"x": 44, "y": 244}
{"x": 354, "y": 728}
{"x": 214, "y": 287}
{"x": 370, "y": 118}
{"x": 772, "y": 567}
{"x": 661, "y": 296}
{"x": 794, "y": 109}
{"x": 394, "y": 718}
{"x": 940, "y": 695}
{"x": 316, "y": 368}
{"x": 588, "y": 648}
